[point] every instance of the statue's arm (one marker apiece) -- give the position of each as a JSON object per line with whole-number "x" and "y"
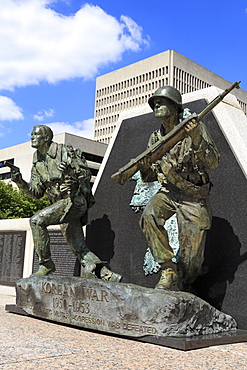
{"x": 206, "y": 151}
{"x": 34, "y": 188}
{"x": 203, "y": 145}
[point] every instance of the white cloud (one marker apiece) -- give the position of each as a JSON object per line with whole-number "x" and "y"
{"x": 42, "y": 114}
{"x": 9, "y": 110}
{"x": 38, "y": 44}
{"x": 1, "y": 133}
{"x": 84, "y": 128}
{"x": 135, "y": 31}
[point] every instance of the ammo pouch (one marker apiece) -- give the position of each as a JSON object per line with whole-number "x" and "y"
{"x": 181, "y": 185}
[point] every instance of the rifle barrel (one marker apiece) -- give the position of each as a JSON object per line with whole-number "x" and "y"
{"x": 167, "y": 142}
{"x": 218, "y": 99}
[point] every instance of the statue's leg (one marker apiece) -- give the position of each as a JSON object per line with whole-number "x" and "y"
{"x": 39, "y": 222}
{"x": 73, "y": 232}
{"x": 158, "y": 210}
{"x": 192, "y": 244}
{"x": 152, "y": 221}
{"x": 194, "y": 218}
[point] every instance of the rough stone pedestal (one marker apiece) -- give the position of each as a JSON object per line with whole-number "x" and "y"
{"x": 146, "y": 314}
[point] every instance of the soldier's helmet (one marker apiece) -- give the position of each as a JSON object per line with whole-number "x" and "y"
{"x": 168, "y": 92}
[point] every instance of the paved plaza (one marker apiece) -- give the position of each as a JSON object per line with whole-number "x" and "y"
{"x": 27, "y": 343}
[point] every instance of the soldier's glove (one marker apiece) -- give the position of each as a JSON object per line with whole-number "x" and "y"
{"x": 192, "y": 129}
{"x": 63, "y": 166}
{"x": 144, "y": 163}
{"x": 69, "y": 184}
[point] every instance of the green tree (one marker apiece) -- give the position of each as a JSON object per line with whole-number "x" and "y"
{"x": 14, "y": 203}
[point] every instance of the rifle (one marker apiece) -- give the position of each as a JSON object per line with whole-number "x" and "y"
{"x": 13, "y": 168}
{"x": 157, "y": 150}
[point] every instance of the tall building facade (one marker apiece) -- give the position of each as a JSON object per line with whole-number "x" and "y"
{"x": 21, "y": 155}
{"x": 131, "y": 86}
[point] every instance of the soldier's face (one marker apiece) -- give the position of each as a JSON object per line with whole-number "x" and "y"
{"x": 164, "y": 108}
{"x": 38, "y": 138}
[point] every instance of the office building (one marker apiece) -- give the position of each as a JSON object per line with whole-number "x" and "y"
{"x": 131, "y": 86}
{"x": 21, "y": 155}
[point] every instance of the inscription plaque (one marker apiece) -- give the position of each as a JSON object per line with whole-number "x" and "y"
{"x": 65, "y": 261}
{"x": 124, "y": 309}
{"x": 12, "y": 248}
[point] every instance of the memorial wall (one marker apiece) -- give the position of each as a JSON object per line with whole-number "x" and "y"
{"x": 12, "y": 248}
{"x": 65, "y": 261}
{"x": 18, "y": 259}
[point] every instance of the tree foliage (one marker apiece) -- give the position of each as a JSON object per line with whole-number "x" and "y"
{"x": 14, "y": 203}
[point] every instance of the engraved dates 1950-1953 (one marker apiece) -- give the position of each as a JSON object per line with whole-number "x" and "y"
{"x": 76, "y": 305}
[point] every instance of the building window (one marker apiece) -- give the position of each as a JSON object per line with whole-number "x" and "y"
{"x": 4, "y": 176}
{"x": 8, "y": 160}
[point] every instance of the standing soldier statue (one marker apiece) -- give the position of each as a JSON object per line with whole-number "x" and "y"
{"x": 62, "y": 173}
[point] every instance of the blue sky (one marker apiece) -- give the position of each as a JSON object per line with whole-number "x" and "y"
{"x": 52, "y": 52}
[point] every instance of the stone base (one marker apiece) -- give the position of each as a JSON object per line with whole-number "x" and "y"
{"x": 123, "y": 309}
{"x": 184, "y": 344}
{"x": 13, "y": 308}
{"x": 200, "y": 341}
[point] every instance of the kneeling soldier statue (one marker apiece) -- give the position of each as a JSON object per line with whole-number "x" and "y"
{"x": 178, "y": 156}
{"x": 185, "y": 186}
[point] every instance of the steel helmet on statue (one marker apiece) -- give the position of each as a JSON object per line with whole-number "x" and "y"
{"x": 168, "y": 92}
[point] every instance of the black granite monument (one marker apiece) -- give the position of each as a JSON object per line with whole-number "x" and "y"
{"x": 114, "y": 233}
{"x": 12, "y": 249}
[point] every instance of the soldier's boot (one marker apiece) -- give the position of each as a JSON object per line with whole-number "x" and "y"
{"x": 88, "y": 271}
{"x": 45, "y": 268}
{"x": 108, "y": 275}
{"x": 169, "y": 277}
{"x": 89, "y": 262}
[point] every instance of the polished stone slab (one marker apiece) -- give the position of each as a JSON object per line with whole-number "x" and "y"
{"x": 15, "y": 309}
{"x": 12, "y": 248}
{"x": 201, "y": 341}
{"x": 65, "y": 260}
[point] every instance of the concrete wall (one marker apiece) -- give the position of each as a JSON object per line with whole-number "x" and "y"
{"x": 21, "y": 225}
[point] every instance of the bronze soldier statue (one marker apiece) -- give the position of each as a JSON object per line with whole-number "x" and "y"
{"x": 185, "y": 186}
{"x": 62, "y": 173}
